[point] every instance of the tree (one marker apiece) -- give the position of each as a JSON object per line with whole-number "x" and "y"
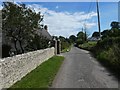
{"x": 115, "y": 24}
{"x": 80, "y": 34}
{"x": 38, "y": 42}
{"x": 114, "y": 32}
{"x": 105, "y": 34}
{"x": 62, "y": 38}
{"x": 64, "y": 42}
{"x": 19, "y": 23}
{"x": 72, "y": 38}
{"x": 81, "y": 37}
{"x": 95, "y": 34}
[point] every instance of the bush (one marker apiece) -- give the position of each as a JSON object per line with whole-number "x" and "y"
{"x": 110, "y": 33}
{"x": 78, "y": 42}
{"x": 107, "y": 51}
{"x": 37, "y": 43}
{"x": 64, "y": 45}
{"x": 88, "y": 45}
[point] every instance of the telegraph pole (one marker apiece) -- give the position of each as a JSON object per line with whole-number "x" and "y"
{"x": 98, "y": 19}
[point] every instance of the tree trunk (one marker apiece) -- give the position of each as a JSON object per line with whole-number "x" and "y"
{"x": 21, "y": 46}
{"x": 16, "y": 47}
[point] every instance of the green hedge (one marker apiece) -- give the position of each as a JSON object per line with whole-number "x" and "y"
{"x": 107, "y": 51}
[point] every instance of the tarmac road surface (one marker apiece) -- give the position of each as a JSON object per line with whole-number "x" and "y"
{"x": 81, "y": 70}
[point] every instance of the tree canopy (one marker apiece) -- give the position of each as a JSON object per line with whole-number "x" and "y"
{"x": 72, "y": 38}
{"x": 20, "y": 24}
{"x": 115, "y": 24}
{"x": 95, "y": 34}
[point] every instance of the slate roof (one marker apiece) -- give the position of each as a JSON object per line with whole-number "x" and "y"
{"x": 93, "y": 39}
{"x": 45, "y": 33}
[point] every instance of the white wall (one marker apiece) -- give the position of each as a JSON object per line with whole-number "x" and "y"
{"x": 14, "y": 68}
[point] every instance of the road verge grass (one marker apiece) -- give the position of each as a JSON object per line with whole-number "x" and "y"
{"x": 66, "y": 49}
{"x": 88, "y": 45}
{"x": 42, "y": 76}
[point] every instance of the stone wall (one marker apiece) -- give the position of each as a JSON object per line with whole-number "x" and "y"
{"x": 12, "y": 69}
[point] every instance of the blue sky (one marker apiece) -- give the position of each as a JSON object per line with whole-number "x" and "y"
{"x": 108, "y": 13}
{"x": 67, "y": 18}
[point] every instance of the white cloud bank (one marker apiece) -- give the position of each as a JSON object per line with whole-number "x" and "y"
{"x": 64, "y": 23}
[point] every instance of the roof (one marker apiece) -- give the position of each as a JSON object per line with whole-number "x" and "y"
{"x": 93, "y": 39}
{"x": 45, "y": 33}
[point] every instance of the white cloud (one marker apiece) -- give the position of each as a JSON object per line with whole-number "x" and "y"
{"x": 64, "y": 23}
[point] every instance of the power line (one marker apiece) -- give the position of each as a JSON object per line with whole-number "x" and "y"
{"x": 88, "y": 11}
{"x": 91, "y": 5}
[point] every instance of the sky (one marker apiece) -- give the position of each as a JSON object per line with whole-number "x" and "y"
{"x": 68, "y": 18}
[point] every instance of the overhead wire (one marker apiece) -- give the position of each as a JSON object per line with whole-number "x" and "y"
{"x": 91, "y": 6}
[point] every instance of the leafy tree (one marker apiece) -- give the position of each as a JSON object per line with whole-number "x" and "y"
{"x": 65, "y": 43}
{"x": 62, "y": 38}
{"x": 115, "y": 24}
{"x": 79, "y": 41}
{"x": 95, "y": 34}
{"x": 105, "y": 34}
{"x": 36, "y": 43}
{"x": 114, "y": 32}
{"x": 81, "y": 37}
{"x": 19, "y": 23}
{"x": 72, "y": 38}
{"x": 68, "y": 40}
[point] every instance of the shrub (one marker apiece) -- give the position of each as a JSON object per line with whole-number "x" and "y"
{"x": 108, "y": 51}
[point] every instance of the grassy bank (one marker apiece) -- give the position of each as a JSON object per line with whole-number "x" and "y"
{"x": 42, "y": 76}
{"x": 107, "y": 51}
{"x": 88, "y": 45}
{"x": 67, "y": 49}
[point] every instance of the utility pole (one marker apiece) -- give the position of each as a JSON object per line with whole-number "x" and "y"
{"x": 98, "y": 19}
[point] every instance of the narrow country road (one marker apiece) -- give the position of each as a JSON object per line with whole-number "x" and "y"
{"x": 80, "y": 70}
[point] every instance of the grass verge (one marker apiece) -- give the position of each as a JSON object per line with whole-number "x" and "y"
{"x": 88, "y": 46}
{"x": 66, "y": 49}
{"x": 42, "y": 76}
